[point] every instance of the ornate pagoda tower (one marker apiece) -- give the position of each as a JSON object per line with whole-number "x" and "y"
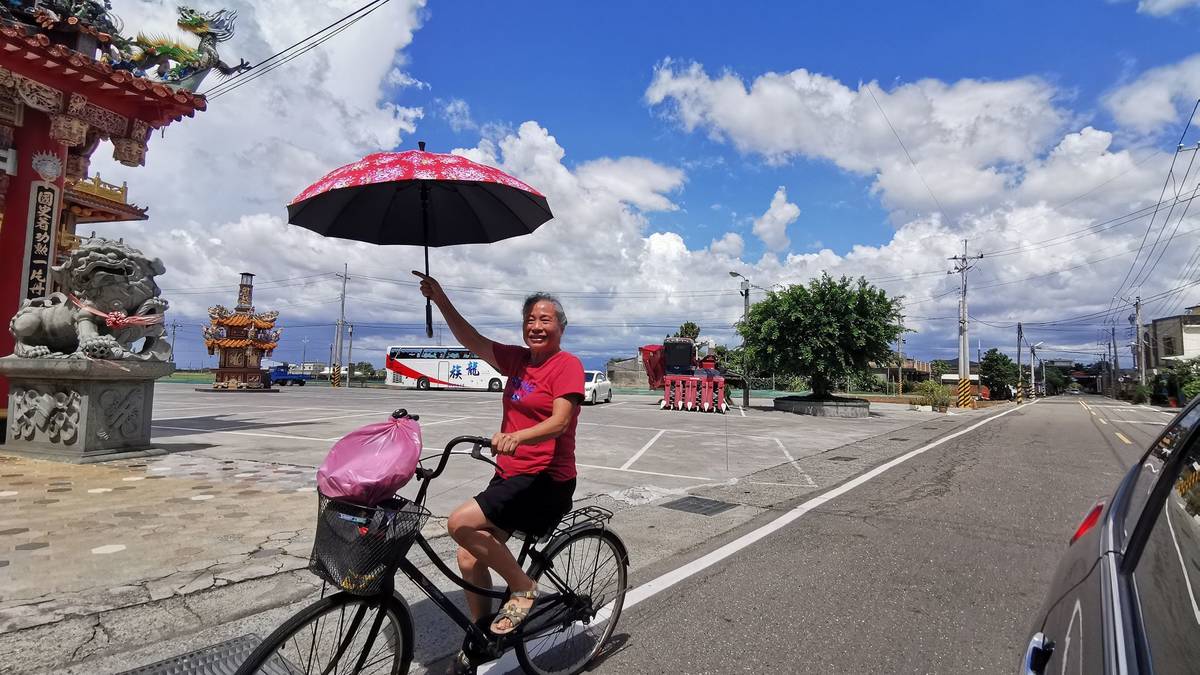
{"x": 242, "y": 338}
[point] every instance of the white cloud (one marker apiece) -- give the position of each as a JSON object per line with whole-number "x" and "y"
{"x": 730, "y": 244}
{"x": 403, "y": 80}
{"x": 771, "y": 226}
{"x": 1164, "y": 7}
{"x": 458, "y": 115}
{"x": 1157, "y": 98}
{"x": 634, "y": 180}
{"x": 961, "y": 135}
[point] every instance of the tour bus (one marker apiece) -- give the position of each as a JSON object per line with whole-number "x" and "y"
{"x": 426, "y": 367}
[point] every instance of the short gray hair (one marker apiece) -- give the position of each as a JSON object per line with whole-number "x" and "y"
{"x": 539, "y": 297}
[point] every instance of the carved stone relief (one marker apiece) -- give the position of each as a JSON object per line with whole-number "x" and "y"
{"x": 45, "y": 416}
{"x": 122, "y": 411}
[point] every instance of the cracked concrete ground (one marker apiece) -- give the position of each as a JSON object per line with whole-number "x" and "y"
{"x": 204, "y": 543}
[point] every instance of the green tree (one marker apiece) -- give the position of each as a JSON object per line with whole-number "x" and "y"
{"x": 998, "y": 373}
{"x": 363, "y": 369}
{"x": 826, "y": 330}
{"x": 688, "y": 330}
{"x": 937, "y": 369}
{"x": 1056, "y": 382}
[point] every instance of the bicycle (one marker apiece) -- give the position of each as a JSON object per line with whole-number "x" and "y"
{"x": 565, "y": 631}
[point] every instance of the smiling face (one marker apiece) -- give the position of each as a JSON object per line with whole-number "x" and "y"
{"x": 542, "y": 331}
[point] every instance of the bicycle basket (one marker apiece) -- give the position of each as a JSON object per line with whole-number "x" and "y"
{"x": 358, "y": 548}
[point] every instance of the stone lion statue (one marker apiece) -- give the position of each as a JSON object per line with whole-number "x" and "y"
{"x": 111, "y": 302}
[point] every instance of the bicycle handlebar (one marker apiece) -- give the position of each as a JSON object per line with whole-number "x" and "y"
{"x": 478, "y": 443}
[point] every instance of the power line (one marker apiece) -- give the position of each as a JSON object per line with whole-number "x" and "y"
{"x": 305, "y": 45}
{"x": 870, "y": 90}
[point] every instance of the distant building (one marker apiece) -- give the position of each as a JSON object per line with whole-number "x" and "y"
{"x": 1172, "y": 338}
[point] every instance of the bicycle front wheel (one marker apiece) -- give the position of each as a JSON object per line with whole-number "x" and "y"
{"x": 342, "y": 633}
{"x": 592, "y": 567}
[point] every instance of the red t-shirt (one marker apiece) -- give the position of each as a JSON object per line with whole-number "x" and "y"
{"x": 529, "y": 400}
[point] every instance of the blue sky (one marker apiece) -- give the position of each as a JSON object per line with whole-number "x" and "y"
{"x": 582, "y": 70}
{"x": 1027, "y": 119}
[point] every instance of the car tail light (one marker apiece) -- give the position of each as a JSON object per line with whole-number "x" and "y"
{"x": 1089, "y": 521}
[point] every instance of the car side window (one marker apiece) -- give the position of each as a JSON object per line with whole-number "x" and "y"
{"x": 1167, "y": 573}
{"x": 1152, "y": 464}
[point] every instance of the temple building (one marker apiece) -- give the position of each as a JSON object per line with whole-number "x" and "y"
{"x": 241, "y": 338}
{"x": 69, "y": 82}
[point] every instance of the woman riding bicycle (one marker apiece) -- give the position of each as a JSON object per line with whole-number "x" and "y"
{"x": 532, "y": 489}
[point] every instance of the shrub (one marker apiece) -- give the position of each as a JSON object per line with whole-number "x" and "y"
{"x": 1191, "y": 390}
{"x": 1141, "y": 393}
{"x": 931, "y": 392}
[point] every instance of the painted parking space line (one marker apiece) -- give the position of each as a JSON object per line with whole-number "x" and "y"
{"x": 242, "y": 433}
{"x": 645, "y": 447}
{"x": 1124, "y": 440}
{"x": 647, "y": 473}
{"x": 792, "y": 460}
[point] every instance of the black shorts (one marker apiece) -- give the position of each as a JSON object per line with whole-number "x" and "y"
{"x": 532, "y": 504}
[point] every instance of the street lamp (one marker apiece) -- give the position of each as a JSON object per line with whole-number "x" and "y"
{"x": 745, "y": 356}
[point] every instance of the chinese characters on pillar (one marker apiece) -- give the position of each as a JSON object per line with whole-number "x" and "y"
{"x": 43, "y": 207}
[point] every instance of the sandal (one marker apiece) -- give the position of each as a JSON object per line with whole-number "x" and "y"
{"x": 513, "y": 613}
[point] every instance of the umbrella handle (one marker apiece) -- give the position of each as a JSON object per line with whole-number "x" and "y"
{"x": 428, "y": 318}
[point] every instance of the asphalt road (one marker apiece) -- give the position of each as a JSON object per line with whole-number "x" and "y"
{"x": 937, "y": 565}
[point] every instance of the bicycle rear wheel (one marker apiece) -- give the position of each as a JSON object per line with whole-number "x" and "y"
{"x": 565, "y": 639}
{"x": 342, "y": 633}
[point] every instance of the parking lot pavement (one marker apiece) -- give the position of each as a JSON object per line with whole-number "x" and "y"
{"x": 230, "y": 501}
{"x": 624, "y": 445}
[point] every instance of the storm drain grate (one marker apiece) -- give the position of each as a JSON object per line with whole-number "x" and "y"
{"x": 700, "y": 505}
{"x": 842, "y": 458}
{"x": 218, "y": 659}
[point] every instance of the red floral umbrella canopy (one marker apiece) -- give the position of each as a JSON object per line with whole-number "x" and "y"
{"x": 419, "y": 198}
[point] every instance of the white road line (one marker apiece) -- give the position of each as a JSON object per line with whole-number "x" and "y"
{"x": 742, "y": 410}
{"x": 1103, "y": 421}
{"x": 613, "y": 405}
{"x": 645, "y": 447}
{"x": 1159, "y": 424}
{"x": 792, "y": 461}
{"x": 660, "y": 584}
{"x": 244, "y": 433}
{"x": 670, "y": 431}
{"x": 761, "y": 482}
{"x": 648, "y": 473}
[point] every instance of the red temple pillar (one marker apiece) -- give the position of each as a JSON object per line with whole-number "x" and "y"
{"x": 30, "y": 139}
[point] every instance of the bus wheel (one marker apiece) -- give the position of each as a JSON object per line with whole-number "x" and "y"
{"x": 494, "y": 385}
{"x": 423, "y": 383}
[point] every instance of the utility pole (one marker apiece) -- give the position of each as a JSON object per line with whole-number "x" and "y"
{"x": 174, "y": 325}
{"x": 962, "y": 264}
{"x": 1045, "y": 384}
{"x": 1020, "y": 373}
{"x": 331, "y": 363}
{"x": 1116, "y": 361}
{"x": 900, "y": 348}
{"x": 335, "y": 375}
{"x": 745, "y": 354}
{"x": 350, "y": 358}
{"x": 1137, "y": 331}
{"x": 303, "y": 352}
{"x": 745, "y": 286}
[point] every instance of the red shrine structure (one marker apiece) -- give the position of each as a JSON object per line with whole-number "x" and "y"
{"x": 242, "y": 338}
{"x": 58, "y": 101}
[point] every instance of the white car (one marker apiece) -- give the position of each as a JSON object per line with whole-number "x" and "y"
{"x": 596, "y": 387}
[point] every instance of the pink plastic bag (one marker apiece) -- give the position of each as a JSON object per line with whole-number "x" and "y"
{"x": 370, "y": 464}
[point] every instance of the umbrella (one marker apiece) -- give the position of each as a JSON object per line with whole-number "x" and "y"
{"x": 419, "y": 198}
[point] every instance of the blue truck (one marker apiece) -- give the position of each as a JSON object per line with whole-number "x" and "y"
{"x": 280, "y": 376}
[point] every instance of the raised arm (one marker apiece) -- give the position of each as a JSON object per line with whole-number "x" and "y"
{"x": 463, "y": 331}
